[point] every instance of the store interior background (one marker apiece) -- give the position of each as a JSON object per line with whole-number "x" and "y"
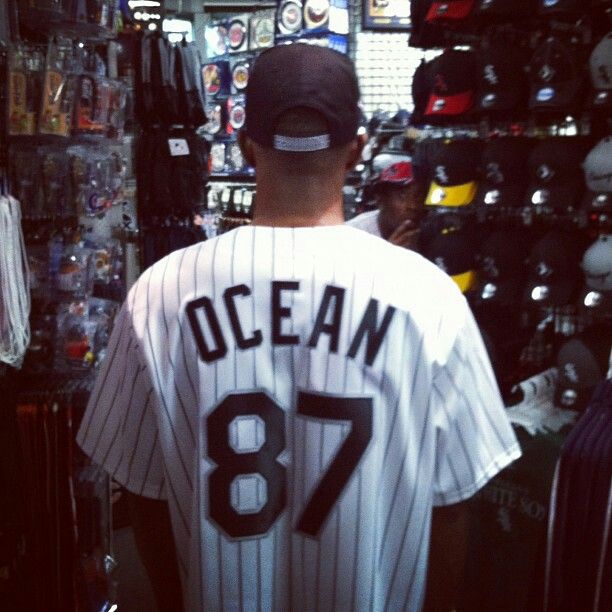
{"x": 509, "y": 516}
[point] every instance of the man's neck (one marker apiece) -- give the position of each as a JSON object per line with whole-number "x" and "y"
{"x": 285, "y": 204}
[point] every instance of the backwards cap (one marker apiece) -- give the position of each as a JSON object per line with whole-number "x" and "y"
{"x": 302, "y": 75}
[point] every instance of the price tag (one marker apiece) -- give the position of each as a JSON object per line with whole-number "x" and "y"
{"x": 178, "y": 147}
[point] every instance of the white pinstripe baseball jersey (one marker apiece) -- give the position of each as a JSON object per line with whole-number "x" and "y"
{"x": 302, "y": 397}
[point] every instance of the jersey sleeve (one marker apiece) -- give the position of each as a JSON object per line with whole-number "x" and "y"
{"x": 119, "y": 430}
{"x": 475, "y": 439}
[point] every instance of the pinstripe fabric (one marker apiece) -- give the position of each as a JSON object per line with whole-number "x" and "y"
{"x": 438, "y": 429}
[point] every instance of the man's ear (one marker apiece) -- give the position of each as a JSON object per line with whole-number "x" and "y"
{"x": 357, "y": 146}
{"x": 246, "y": 148}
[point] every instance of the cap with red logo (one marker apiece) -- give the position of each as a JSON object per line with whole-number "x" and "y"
{"x": 399, "y": 173}
{"x": 449, "y": 10}
{"x": 454, "y": 84}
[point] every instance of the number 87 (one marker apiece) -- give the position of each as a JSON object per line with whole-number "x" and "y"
{"x": 247, "y": 490}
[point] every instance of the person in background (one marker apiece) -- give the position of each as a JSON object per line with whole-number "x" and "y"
{"x": 400, "y": 195}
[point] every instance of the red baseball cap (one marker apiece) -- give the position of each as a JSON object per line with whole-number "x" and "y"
{"x": 399, "y": 173}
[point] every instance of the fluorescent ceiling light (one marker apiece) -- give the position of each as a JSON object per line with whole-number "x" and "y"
{"x": 136, "y": 3}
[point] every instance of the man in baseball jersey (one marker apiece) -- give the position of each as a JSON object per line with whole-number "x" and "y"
{"x": 400, "y": 200}
{"x": 288, "y": 402}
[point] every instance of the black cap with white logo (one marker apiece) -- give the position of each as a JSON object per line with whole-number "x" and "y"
{"x": 502, "y": 77}
{"x": 554, "y": 269}
{"x": 582, "y": 362}
{"x": 556, "y": 180}
{"x": 504, "y": 172}
{"x": 556, "y": 77}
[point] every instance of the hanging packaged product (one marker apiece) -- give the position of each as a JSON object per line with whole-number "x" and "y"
{"x": 215, "y": 36}
{"x": 261, "y": 29}
{"x": 289, "y": 18}
{"x": 240, "y": 75}
{"x": 94, "y": 101}
{"x": 238, "y": 34}
{"x": 25, "y": 86}
{"x": 217, "y": 78}
{"x": 18, "y": 121}
{"x": 217, "y": 157}
{"x": 58, "y": 91}
{"x": 236, "y": 113}
{"x": 326, "y": 16}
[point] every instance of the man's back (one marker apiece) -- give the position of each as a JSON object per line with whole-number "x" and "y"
{"x": 301, "y": 396}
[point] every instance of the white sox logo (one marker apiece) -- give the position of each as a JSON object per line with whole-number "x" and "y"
{"x": 441, "y": 175}
{"x": 490, "y": 267}
{"x": 545, "y": 172}
{"x": 494, "y": 173}
{"x": 490, "y": 75}
{"x": 571, "y": 373}
{"x": 544, "y": 270}
{"x": 547, "y": 73}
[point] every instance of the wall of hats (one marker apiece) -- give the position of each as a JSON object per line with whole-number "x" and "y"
{"x": 513, "y": 123}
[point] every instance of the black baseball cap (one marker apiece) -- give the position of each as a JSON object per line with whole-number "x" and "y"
{"x": 454, "y": 170}
{"x": 449, "y": 10}
{"x": 504, "y": 172}
{"x": 556, "y": 77}
{"x": 554, "y": 269}
{"x": 555, "y": 169}
{"x": 502, "y": 76}
{"x": 302, "y": 75}
{"x": 454, "y": 251}
{"x": 453, "y": 85}
{"x": 501, "y": 268}
{"x": 422, "y": 87}
{"x": 582, "y": 362}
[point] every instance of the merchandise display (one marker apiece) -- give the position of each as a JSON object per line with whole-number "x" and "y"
{"x": 120, "y": 144}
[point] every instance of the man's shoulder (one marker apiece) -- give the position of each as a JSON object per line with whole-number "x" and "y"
{"x": 367, "y": 221}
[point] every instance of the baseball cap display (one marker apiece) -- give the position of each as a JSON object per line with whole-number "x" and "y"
{"x": 582, "y": 363}
{"x": 554, "y": 269}
{"x": 449, "y": 10}
{"x": 504, "y": 172}
{"x": 600, "y": 66}
{"x": 301, "y": 75}
{"x": 501, "y": 267}
{"x": 556, "y": 79}
{"x": 453, "y": 85}
{"x": 502, "y": 79}
{"x": 555, "y": 173}
{"x": 598, "y": 177}
{"x": 453, "y": 167}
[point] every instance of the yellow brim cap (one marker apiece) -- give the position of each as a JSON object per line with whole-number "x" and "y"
{"x": 465, "y": 281}
{"x": 454, "y": 195}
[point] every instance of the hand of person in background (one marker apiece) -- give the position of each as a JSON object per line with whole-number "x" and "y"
{"x": 406, "y": 235}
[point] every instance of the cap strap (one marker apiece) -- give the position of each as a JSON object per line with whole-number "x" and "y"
{"x": 302, "y": 144}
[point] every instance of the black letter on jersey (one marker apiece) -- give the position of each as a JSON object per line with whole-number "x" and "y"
{"x": 230, "y": 305}
{"x": 206, "y": 354}
{"x": 333, "y": 328}
{"x": 281, "y": 312}
{"x": 368, "y": 326}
